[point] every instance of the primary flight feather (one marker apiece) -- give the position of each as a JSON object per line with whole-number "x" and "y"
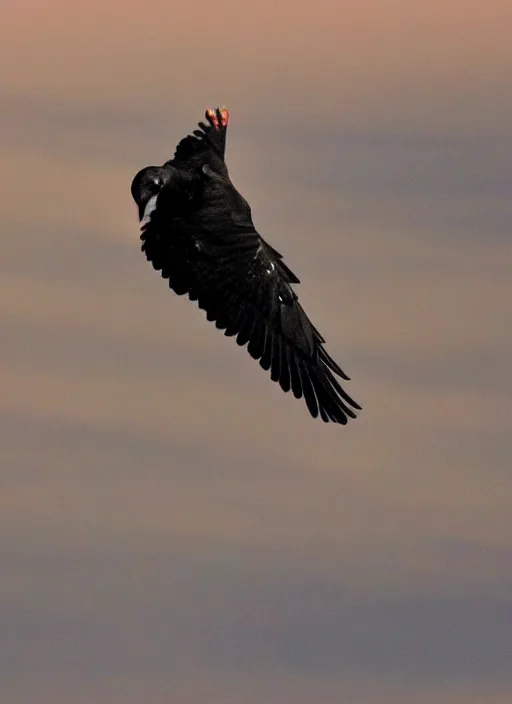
{"x": 196, "y": 229}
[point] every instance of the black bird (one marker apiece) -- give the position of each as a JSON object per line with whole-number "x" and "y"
{"x": 196, "y": 229}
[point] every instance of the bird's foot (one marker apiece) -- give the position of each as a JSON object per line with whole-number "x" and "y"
{"x": 218, "y": 118}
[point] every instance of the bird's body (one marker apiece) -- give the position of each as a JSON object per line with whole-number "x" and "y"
{"x": 197, "y": 229}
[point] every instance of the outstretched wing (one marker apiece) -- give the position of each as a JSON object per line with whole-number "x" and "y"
{"x": 216, "y": 256}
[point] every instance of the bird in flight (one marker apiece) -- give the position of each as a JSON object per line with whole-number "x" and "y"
{"x": 197, "y": 230}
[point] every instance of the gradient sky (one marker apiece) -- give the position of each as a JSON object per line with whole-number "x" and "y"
{"x": 174, "y": 528}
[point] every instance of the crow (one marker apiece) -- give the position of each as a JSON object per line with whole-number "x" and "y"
{"x": 197, "y": 230}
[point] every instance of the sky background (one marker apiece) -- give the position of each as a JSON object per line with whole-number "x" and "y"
{"x": 174, "y": 528}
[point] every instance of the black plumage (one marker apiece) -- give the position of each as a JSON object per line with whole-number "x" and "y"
{"x": 197, "y": 230}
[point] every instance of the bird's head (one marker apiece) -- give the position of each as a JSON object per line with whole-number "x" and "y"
{"x": 147, "y": 184}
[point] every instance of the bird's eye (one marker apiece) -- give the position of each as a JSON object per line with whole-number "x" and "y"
{"x": 155, "y": 184}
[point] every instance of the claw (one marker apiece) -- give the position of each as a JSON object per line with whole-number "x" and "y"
{"x": 212, "y": 118}
{"x": 224, "y": 115}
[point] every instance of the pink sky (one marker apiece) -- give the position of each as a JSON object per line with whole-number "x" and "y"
{"x": 175, "y": 528}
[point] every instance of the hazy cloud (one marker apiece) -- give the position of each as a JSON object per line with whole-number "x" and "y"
{"x": 174, "y": 528}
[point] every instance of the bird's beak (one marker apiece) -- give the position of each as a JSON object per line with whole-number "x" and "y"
{"x": 146, "y": 210}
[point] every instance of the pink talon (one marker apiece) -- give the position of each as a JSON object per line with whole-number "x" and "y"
{"x": 224, "y": 114}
